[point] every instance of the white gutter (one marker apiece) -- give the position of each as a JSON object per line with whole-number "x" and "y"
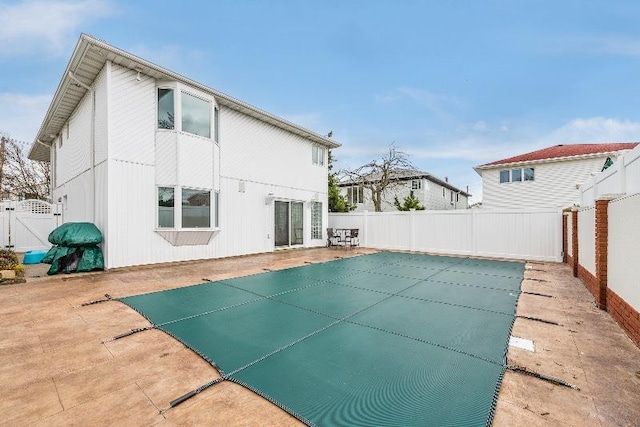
{"x": 92, "y": 144}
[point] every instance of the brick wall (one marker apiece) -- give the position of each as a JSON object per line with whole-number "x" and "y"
{"x": 565, "y": 239}
{"x": 625, "y": 315}
{"x": 606, "y": 299}
{"x": 591, "y": 282}
{"x": 602, "y": 242}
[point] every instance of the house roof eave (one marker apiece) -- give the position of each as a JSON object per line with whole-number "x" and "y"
{"x": 86, "y": 62}
{"x": 481, "y": 168}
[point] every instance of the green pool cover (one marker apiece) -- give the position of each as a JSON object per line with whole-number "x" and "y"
{"x": 381, "y": 339}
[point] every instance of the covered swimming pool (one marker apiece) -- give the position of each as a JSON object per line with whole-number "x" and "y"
{"x": 380, "y": 339}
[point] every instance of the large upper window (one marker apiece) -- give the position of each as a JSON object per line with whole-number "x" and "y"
{"x": 317, "y": 155}
{"x": 504, "y": 176}
{"x": 516, "y": 175}
{"x": 416, "y": 184}
{"x": 166, "y": 116}
{"x": 196, "y": 115}
{"x": 196, "y": 208}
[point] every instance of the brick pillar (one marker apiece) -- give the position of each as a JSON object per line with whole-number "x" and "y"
{"x": 574, "y": 240}
{"x": 565, "y": 241}
{"x": 602, "y": 237}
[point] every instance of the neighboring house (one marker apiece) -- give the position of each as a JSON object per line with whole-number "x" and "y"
{"x": 170, "y": 169}
{"x": 550, "y": 177}
{"x": 432, "y": 192}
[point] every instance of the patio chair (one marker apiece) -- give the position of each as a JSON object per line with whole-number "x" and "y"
{"x": 333, "y": 238}
{"x": 351, "y": 238}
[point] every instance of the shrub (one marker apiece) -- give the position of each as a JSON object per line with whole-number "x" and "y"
{"x": 8, "y": 259}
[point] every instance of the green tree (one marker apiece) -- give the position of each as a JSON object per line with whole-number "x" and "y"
{"x": 337, "y": 201}
{"x": 410, "y": 202}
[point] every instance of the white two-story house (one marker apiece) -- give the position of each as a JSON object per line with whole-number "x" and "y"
{"x": 170, "y": 169}
{"x": 432, "y": 192}
{"x": 545, "y": 178}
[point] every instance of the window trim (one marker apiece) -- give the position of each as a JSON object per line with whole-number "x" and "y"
{"x": 209, "y": 102}
{"x": 359, "y": 194}
{"x": 316, "y": 157}
{"x": 532, "y": 176}
{"x": 178, "y": 90}
{"x": 523, "y": 175}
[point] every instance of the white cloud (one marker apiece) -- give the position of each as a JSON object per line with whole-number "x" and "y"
{"x": 595, "y": 130}
{"x": 21, "y": 115}
{"x": 34, "y": 26}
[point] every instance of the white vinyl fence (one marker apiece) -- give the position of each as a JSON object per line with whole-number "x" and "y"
{"x": 25, "y": 225}
{"x": 532, "y": 234}
{"x": 621, "y": 178}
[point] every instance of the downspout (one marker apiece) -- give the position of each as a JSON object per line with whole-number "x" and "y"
{"x": 92, "y": 144}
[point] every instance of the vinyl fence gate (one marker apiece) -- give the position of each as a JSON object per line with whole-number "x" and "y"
{"x": 25, "y": 225}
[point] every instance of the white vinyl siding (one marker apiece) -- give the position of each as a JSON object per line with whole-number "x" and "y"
{"x": 432, "y": 196}
{"x": 551, "y": 184}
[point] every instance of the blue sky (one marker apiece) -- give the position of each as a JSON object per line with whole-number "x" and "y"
{"x": 454, "y": 84}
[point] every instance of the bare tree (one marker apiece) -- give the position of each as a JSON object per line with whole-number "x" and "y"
{"x": 20, "y": 177}
{"x": 381, "y": 174}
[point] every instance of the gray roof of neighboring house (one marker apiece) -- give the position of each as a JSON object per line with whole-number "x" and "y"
{"x": 406, "y": 175}
{"x": 88, "y": 58}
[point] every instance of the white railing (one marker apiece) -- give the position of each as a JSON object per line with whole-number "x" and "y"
{"x": 534, "y": 234}
{"x": 620, "y": 179}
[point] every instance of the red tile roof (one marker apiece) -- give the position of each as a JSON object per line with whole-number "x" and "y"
{"x": 566, "y": 150}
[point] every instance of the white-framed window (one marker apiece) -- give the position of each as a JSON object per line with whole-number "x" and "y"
{"x": 166, "y": 207}
{"x": 194, "y": 210}
{"x": 166, "y": 109}
{"x": 529, "y": 174}
{"x": 186, "y": 112}
{"x": 216, "y": 125}
{"x": 216, "y": 207}
{"x": 416, "y": 184}
{"x": 316, "y": 220}
{"x": 355, "y": 195}
{"x": 517, "y": 175}
{"x": 317, "y": 155}
{"x": 196, "y": 115}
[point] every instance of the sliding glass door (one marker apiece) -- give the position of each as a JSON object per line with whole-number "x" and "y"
{"x": 289, "y": 229}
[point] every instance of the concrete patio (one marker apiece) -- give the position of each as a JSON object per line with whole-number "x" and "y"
{"x": 59, "y": 367}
